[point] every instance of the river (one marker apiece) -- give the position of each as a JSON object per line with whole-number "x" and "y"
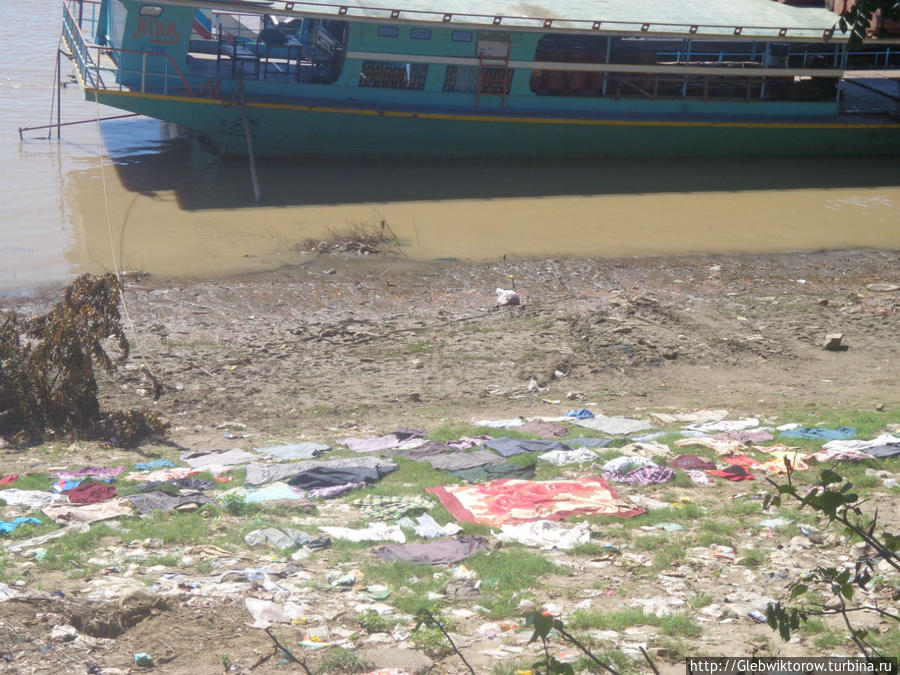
{"x": 135, "y": 194}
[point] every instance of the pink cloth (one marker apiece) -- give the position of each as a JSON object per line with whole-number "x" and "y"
{"x": 511, "y": 500}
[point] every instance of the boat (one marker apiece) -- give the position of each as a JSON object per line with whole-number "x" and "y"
{"x": 491, "y": 78}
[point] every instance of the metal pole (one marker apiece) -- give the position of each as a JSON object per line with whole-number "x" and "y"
{"x": 254, "y": 180}
{"x": 58, "y": 94}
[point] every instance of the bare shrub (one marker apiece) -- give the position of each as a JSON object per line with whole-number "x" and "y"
{"x": 47, "y": 378}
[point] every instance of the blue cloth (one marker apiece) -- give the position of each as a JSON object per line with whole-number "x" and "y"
{"x": 580, "y": 414}
{"x": 155, "y": 464}
{"x": 7, "y": 526}
{"x": 818, "y": 433}
{"x": 66, "y": 484}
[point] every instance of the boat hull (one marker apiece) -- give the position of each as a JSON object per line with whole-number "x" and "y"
{"x": 322, "y": 130}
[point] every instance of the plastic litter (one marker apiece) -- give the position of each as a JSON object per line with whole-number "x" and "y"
{"x": 775, "y": 523}
{"x": 757, "y": 616}
{"x": 335, "y": 578}
{"x": 505, "y": 297}
{"x": 143, "y": 659}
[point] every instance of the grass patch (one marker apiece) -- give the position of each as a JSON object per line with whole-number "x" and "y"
{"x": 70, "y": 552}
{"x": 506, "y": 575}
{"x": 752, "y": 557}
{"x": 175, "y": 527}
{"x": 676, "y": 625}
{"x": 343, "y": 660}
{"x": 167, "y": 560}
{"x": 411, "y": 583}
{"x": 30, "y": 481}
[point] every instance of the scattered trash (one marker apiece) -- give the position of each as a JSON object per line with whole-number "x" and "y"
{"x": 507, "y": 298}
{"x": 143, "y": 659}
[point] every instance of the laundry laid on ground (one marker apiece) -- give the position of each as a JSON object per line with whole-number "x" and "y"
{"x": 510, "y": 500}
{"x": 324, "y": 477}
{"x": 546, "y": 534}
{"x": 90, "y": 494}
{"x": 374, "y": 532}
{"x": 614, "y": 426}
{"x": 732, "y": 473}
{"x": 696, "y": 417}
{"x": 725, "y": 425}
{"x": 545, "y": 429}
{"x": 645, "y": 475}
{"x": 93, "y": 471}
{"x": 691, "y": 462}
{"x": 885, "y": 445}
{"x": 380, "y": 507}
{"x": 88, "y": 513}
{"x": 155, "y": 464}
{"x": 565, "y": 457}
{"x": 818, "y": 433}
{"x": 218, "y": 461}
{"x": 439, "y": 552}
{"x": 486, "y": 472}
{"x": 455, "y": 460}
{"x": 509, "y": 447}
{"x": 721, "y": 446}
{"x": 306, "y": 450}
{"x": 147, "y": 502}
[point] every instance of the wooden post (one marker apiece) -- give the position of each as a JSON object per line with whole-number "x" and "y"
{"x": 254, "y": 180}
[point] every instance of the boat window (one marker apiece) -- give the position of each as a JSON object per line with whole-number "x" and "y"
{"x": 464, "y": 79}
{"x": 461, "y": 36}
{"x": 150, "y": 10}
{"x": 387, "y": 75}
{"x": 420, "y": 33}
{"x": 388, "y": 31}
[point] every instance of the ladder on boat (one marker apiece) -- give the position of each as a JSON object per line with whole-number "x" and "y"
{"x": 493, "y": 78}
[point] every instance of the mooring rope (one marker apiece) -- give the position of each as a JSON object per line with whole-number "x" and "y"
{"x": 157, "y": 386}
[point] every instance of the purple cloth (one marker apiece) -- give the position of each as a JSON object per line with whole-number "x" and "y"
{"x": 646, "y": 475}
{"x": 89, "y": 471}
{"x": 467, "y": 442}
{"x": 332, "y": 491}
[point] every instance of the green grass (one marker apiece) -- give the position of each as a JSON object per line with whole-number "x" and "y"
{"x": 752, "y": 557}
{"x": 70, "y": 552}
{"x": 174, "y": 527}
{"x": 668, "y": 555}
{"x": 411, "y": 583}
{"x": 30, "y": 481}
{"x": 508, "y": 575}
{"x": 343, "y": 660}
{"x": 28, "y": 530}
{"x": 674, "y": 626}
{"x": 167, "y": 560}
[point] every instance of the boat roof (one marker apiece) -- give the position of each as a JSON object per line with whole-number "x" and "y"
{"x": 703, "y": 18}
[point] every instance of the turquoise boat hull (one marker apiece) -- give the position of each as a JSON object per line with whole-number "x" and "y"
{"x": 330, "y": 130}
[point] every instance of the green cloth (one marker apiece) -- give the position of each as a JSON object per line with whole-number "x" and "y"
{"x": 379, "y": 507}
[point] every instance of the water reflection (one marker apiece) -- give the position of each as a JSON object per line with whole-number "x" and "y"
{"x": 175, "y": 208}
{"x": 200, "y": 179}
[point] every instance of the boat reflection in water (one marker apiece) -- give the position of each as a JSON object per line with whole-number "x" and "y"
{"x": 178, "y": 208}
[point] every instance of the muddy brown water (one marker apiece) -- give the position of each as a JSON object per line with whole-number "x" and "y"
{"x": 138, "y": 195}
